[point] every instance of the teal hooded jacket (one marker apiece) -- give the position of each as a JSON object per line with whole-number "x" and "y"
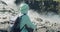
{"x": 25, "y": 18}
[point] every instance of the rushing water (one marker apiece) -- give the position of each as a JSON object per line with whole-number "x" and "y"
{"x": 35, "y": 16}
{"x": 53, "y": 18}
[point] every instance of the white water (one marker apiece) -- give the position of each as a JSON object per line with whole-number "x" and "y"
{"x": 52, "y": 18}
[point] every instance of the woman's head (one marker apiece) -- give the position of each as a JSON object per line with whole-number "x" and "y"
{"x": 24, "y": 8}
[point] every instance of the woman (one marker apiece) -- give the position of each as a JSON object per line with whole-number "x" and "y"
{"x": 25, "y": 23}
